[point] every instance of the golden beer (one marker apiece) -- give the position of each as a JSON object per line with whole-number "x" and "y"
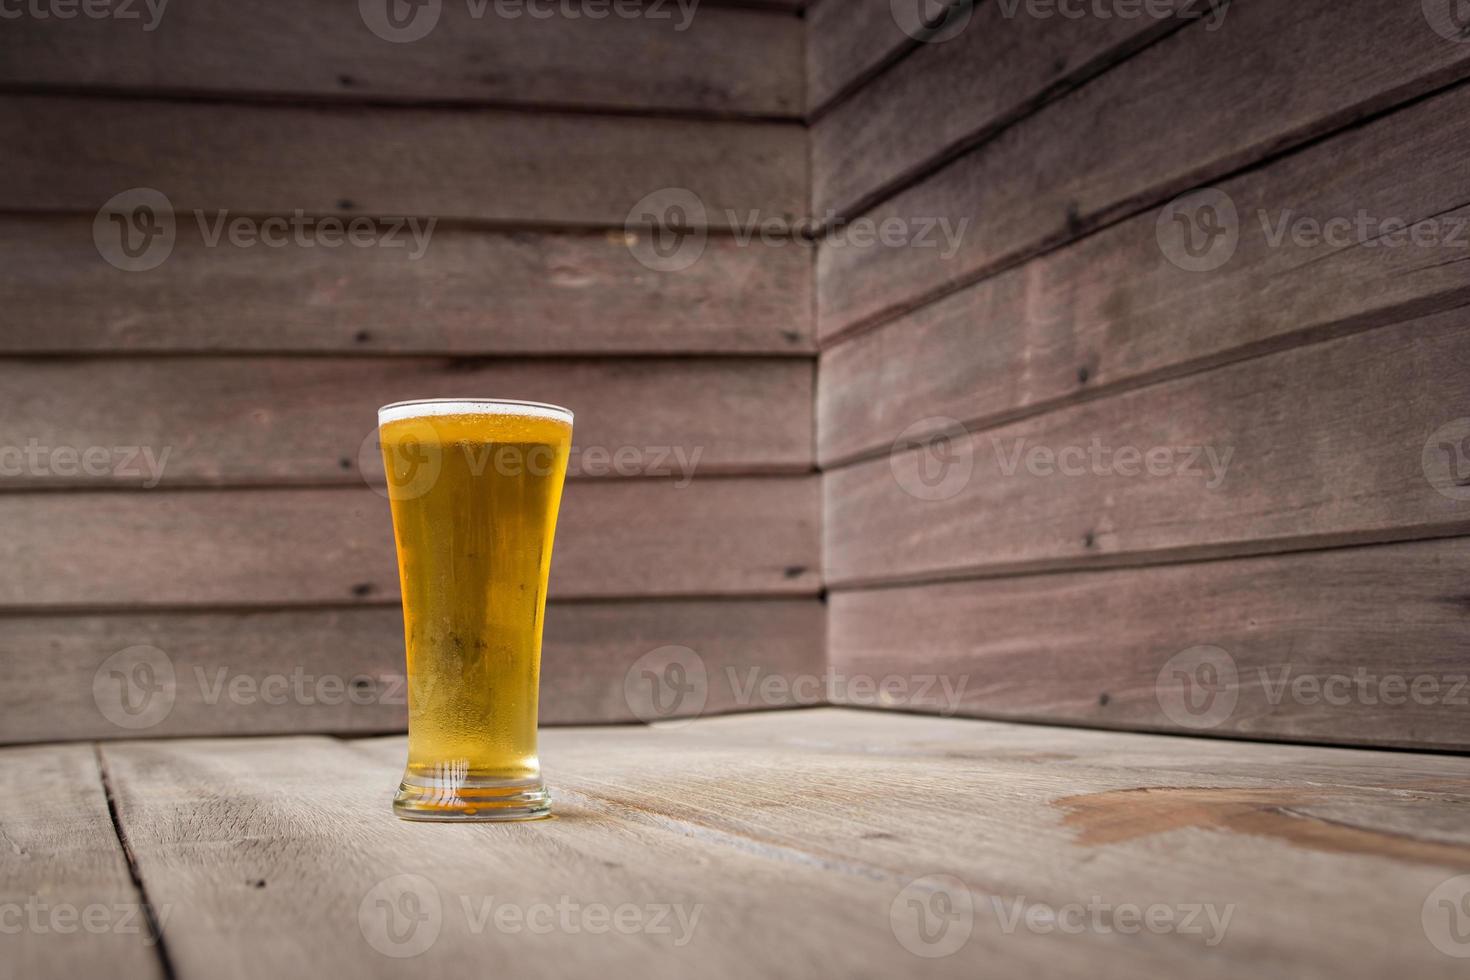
{"x": 474, "y": 487}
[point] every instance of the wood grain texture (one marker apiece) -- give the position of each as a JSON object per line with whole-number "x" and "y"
{"x": 1113, "y": 309}
{"x": 1326, "y": 446}
{"x": 1138, "y": 135}
{"x": 1324, "y": 646}
{"x": 342, "y": 670}
{"x": 470, "y": 291}
{"x": 847, "y": 41}
{"x": 236, "y": 422}
{"x": 1002, "y": 66}
{"x": 70, "y": 906}
{"x": 74, "y": 154}
{"x": 695, "y": 60}
{"x": 615, "y": 538}
{"x": 704, "y": 815}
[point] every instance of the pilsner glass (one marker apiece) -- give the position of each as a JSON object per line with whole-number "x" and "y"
{"x": 474, "y": 487}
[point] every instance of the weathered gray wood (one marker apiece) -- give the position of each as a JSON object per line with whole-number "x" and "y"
{"x": 847, "y": 41}
{"x": 1112, "y": 309}
{"x": 70, "y": 906}
{"x": 471, "y": 291}
{"x": 1326, "y": 446}
{"x": 615, "y": 538}
{"x": 1004, "y": 65}
{"x": 235, "y": 422}
{"x": 342, "y": 670}
{"x": 1137, "y": 136}
{"x": 806, "y": 827}
{"x": 1090, "y": 648}
{"x": 698, "y": 60}
{"x": 74, "y": 154}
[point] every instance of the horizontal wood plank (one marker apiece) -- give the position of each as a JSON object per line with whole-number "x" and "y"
{"x": 1003, "y": 65}
{"x": 1114, "y": 308}
{"x": 71, "y": 907}
{"x": 464, "y": 291}
{"x": 1105, "y": 152}
{"x": 615, "y": 538}
{"x": 702, "y": 815}
{"x": 75, "y": 154}
{"x": 342, "y": 670}
{"x": 1319, "y": 445}
{"x": 847, "y": 41}
{"x": 235, "y": 422}
{"x": 1361, "y": 645}
{"x": 695, "y": 58}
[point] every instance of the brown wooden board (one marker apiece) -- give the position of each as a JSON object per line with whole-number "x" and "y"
{"x": 1353, "y": 440}
{"x": 1133, "y": 138}
{"x": 615, "y": 538}
{"x": 76, "y": 154}
{"x": 342, "y": 670}
{"x": 71, "y": 908}
{"x": 1360, "y": 645}
{"x": 1003, "y": 65}
{"x": 565, "y": 54}
{"x": 848, "y": 41}
{"x": 1116, "y": 309}
{"x": 461, "y": 291}
{"x": 239, "y": 421}
{"x": 1019, "y": 821}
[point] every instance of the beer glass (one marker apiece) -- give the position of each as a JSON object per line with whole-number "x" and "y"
{"x": 474, "y": 486}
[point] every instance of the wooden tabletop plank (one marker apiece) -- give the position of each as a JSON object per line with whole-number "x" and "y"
{"x": 820, "y": 834}
{"x": 68, "y": 904}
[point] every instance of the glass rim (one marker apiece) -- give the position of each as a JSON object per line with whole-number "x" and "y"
{"x": 428, "y": 407}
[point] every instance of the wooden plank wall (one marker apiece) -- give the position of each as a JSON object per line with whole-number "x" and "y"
{"x": 1091, "y": 471}
{"x": 189, "y": 485}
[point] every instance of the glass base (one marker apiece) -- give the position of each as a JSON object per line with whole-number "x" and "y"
{"x": 471, "y": 799}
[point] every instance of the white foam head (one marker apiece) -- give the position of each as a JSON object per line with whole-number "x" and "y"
{"x": 472, "y": 406}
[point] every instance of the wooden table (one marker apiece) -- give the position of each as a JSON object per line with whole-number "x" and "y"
{"x": 820, "y": 843}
